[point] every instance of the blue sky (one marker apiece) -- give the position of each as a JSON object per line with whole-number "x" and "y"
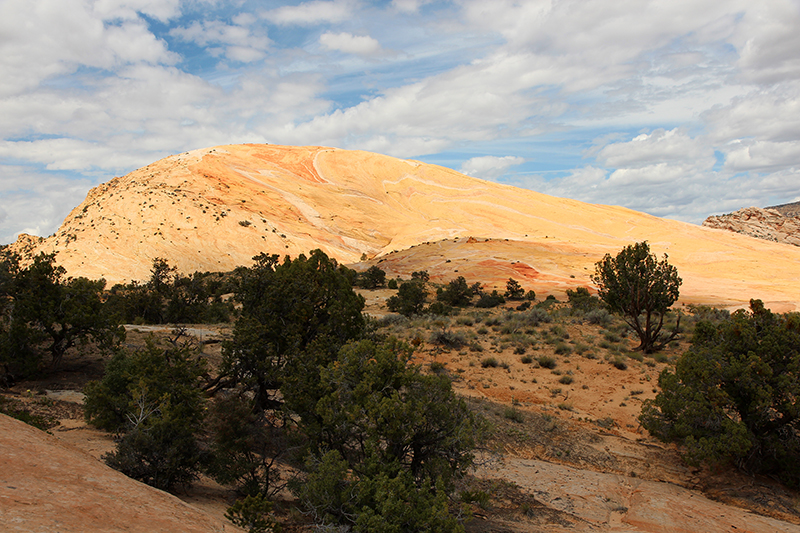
{"x": 679, "y": 108}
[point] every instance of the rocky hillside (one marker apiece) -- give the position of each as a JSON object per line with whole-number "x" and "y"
{"x": 788, "y": 210}
{"x": 768, "y": 224}
{"x": 214, "y": 209}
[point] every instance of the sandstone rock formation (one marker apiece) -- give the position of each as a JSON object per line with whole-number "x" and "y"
{"x": 50, "y": 487}
{"x": 768, "y": 224}
{"x": 214, "y": 209}
{"x": 787, "y": 210}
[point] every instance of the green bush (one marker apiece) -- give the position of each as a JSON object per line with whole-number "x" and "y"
{"x": 395, "y": 475}
{"x": 445, "y": 337}
{"x": 513, "y": 414}
{"x": 563, "y": 349}
{"x": 732, "y": 397}
{"x": 490, "y": 300}
{"x": 545, "y": 361}
{"x": 490, "y": 362}
{"x": 153, "y": 397}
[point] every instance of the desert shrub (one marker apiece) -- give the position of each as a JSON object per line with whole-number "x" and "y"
{"x": 445, "y": 337}
{"x": 490, "y": 300}
{"x": 15, "y": 409}
{"x": 392, "y": 320}
{"x": 707, "y": 313}
{"x": 44, "y": 313}
{"x": 580, "y": 301}
{"x": 566, "y": 380}
{"x": 392, "y": 476}
{"x": 479, "y": 497}
{"x": 619, "y": 363}
{"x": 732, "y": 397}
{"x": 526, "y": 359}
{"x": 600, "y": 317}
{"x": 409, "y": 300}
{"x": 440, "y": 309}
{"x": 513, "y": 414}
{"x": 456, "y": 293}
{"x": 580, "y": 348}
{"x": 437, "y": 367}
{"x": 559, "y": 331}
{"x": 153, "y": 397}
{"x": 253, "y": 514}
{"x": 514, "y": 290}
{"x": 637, "y": 356}
{"x": 392, "y": 284}
{"x": 372, "y": 278}
{"x": 490, "y": 362}
{"x": 545, "y": 361}
{"x": 563, "y": 349}
{"x": 475, "y": 347}
{"x": 524, "y": 306}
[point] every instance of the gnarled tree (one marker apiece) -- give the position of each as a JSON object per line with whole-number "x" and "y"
{"x": 641, "y": 288}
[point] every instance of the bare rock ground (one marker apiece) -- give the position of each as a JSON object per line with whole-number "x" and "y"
{"x": 49, "y": 486}
{"x": 616, "y": 503}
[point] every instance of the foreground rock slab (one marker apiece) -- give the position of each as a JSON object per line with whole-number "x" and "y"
{"x": 620, "y": 504}
{"x": 49, "y": 486}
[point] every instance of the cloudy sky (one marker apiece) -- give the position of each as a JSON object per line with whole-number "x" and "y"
{"x": 679, "y": 108}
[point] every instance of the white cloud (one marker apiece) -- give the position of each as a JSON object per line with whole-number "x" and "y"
{"x": 762, "y": 155}
{"x": 489, "y": 167}
{"x": 162, "y": 10}
{"x": 768, "y": 40}
{"x": 660, "y": 146}
{"x": 409, "y": 6}
{"x": 35, "y": 202}
{"x": 51, "y": 38}
{"x": 239, "y": 41}
{"x": 311, "y": 13}
{"x": 362, "y": 45}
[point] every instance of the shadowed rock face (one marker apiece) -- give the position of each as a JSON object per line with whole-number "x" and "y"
{"x": 214, "y": 209}
{"x": 768, "y": 224}
{"x": 48, "y": 486}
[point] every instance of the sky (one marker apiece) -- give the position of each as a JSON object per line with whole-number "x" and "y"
{"x": 678, "y": 108}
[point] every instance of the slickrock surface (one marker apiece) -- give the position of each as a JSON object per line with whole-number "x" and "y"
{"x": 214, "y": 209}
{"x": 47, "y": 486}
{"x": 613, "y": 503}
{"x": 767, "y": 224}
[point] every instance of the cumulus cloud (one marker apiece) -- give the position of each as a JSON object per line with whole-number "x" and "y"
{"x": 362, "y": 45}
{"x": 35, "y": 202}
{"x": 762, "y": 155}
{"x": 490, "y": 167}
{"x": 311, "y": 13}
{"x": 53, "y": 38}
{"x": 660, "y": 146}
{"x": 237, "y": 40}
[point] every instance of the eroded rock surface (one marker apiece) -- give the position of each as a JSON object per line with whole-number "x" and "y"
{"x": 47, "y": 486}
{"x": 613, "y": 503}
{"x": 767, "y": 224}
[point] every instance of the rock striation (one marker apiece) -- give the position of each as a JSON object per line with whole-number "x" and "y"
{"x": 768, "y": 224}
{"x": 214, "y": 209}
